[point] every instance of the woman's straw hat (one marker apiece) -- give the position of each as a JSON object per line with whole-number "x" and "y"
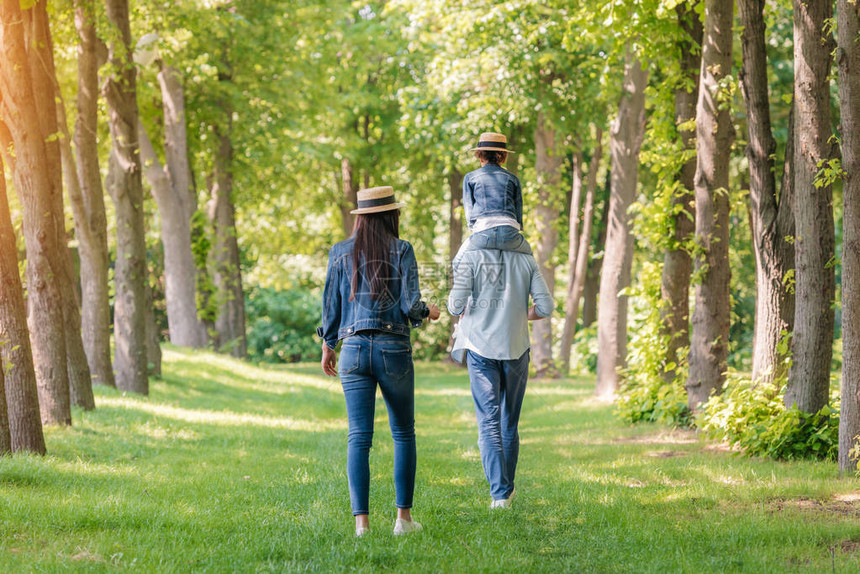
{"x": 490, "y": 141}
{"x": 376, "y": 199}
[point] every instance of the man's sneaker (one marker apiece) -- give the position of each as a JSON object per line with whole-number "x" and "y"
{"x": 505, "y": 502}
{"x": 406, "y": 526}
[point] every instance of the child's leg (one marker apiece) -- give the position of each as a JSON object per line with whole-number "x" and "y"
{"x": 509, "y": 239}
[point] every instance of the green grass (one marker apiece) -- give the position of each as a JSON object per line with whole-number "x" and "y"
{"x": 231, "y": 467}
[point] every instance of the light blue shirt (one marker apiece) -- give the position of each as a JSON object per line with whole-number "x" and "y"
{"x": 491, "y": 291}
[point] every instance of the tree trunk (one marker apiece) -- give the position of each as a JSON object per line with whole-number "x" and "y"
{"x": 548, "y": 162}
{"x": 625, "y": 143}
{"x": 5, "y": 437}
{"x": 20, "y": 399}
{"x": 577, "y": 256}
{"x": 848, "y": 59}
{"x": 31, "y": 168}
{"x": 809, "y": 377}
{"x": 455, "y": 225}
{"x": 153, "y": 344}
{"x": 595, "y": 265}
{"x": 89, "y": 208}
{"x": 227, "y": 274}
{"x": 127, "y": 193}
{"x": 771, "y": 218}
{"x": 349, "y": 199}
{"x": 677, "y": 263}
{"x": 174, "y": 195}
{"x": 710, "y": 341}
{"x": 512, "y": 164}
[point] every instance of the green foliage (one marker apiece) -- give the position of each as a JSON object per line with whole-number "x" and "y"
{"x": 282, "y": 325}
{"x": 754, "y": 418}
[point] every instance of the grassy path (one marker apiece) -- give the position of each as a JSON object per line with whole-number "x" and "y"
{"x": 229, "y": 467}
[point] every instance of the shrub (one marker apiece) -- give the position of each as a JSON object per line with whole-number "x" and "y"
{"x": 754, "y": 418}
{"x": 282, "y": 324}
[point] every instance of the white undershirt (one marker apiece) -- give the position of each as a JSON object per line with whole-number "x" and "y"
{"x": 484, "y": 223}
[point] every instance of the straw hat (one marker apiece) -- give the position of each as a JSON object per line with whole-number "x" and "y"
{"x": 376, "y": 199}
{"x": 492, "y": 142}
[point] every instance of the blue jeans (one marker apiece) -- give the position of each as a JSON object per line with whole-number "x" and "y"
{"x": 368, "y": 358}
{"x": 502, "y": 237}
{"x": 498, "y": 388}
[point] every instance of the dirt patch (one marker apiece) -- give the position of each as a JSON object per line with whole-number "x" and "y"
{"x": 837, "y": 505}
{"x": 87, "y": 555}
{"x": 720, "y": 447}
{"x": 665, "y": 437}
{"x": 666, "y": 453}
{"x": 850, "y": 546}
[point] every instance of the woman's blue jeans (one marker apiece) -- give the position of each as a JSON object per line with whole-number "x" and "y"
{"x": 367, "y": 359}
{"x": 498, "y": 389}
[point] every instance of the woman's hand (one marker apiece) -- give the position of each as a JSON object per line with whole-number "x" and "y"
{"x": 434, "y": 312}
{"x": 329, "y": 361}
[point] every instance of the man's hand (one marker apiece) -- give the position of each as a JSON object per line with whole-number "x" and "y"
{"x": 434, "y": 312}
{"x": 329, "y": 361}
{"x": 533, "y": 316}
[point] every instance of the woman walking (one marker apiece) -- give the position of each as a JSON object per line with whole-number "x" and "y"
{"x": 371, "y": 300}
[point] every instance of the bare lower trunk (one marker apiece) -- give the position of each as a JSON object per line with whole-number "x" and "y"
{"x": 578, "y": 254}
{"x": 809, "y": 377}
{"x": 126, "y": 190}
{"x": 348, "y": 201}
{"x": 153, "y": 343}
{"x": 175, "y": 197}
{"x": 5, "y": 437}
{"x": 710, "y": 340}
{"x": 89, "y": 208}
{"x": 20, "y": 396}
{"x": 455, "y": 224}
{"x": 677, "y": 263}
{"x": 227, "y": 274}
{"x": 848, "y": 59}
{"x": 548, "y": 162}
{"x": 625, "y": 143}
{"x": 595, "y": 266}
{"x": 771, "y": 217}
{"x": 30, "y": 166}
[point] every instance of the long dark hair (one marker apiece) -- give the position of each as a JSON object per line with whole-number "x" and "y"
{"x": 374, "y": 234}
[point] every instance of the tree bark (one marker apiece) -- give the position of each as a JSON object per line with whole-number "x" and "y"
{"x": 771, "y": 217}
{"x": 20, "y": 397}
{"x": 349, "y": 199}
{"x": 809, "y": 376}
{"x": 174, "y": 195}
{"x": 31, "y": 168}
{"x": 625, "y": 143}
{"x": 677, "y": 263}
{"x": 89, "y": 207}
{"x": 595, "y": 265}
{"x": 153, "y": 344}
{"x": 548, "y": 162}
{"x": 577, "y": 256}
{"x": 226, "y": 269}
{"x": 127, "y": 193}
{"x": 5, "y": 437}
{"x": 848, "y": 59}
{"x": 709, "y": 345}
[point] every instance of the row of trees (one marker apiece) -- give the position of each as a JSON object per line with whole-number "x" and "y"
{"x": 56, "y": 342}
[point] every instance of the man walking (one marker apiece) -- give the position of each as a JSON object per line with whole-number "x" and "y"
{"x": 491, "y": 295}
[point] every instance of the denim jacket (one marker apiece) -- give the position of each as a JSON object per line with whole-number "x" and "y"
{"x": 492, "y": 190}
{"x": 394, "y": 312}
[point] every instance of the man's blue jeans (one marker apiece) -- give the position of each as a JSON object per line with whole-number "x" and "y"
{"x": 498, "y": 388}
{"x": 366, "y": 359}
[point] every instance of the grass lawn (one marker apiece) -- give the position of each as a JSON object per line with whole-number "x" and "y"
{"x": 230, "y": 467}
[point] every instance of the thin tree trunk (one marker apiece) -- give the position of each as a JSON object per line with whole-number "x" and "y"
{"x": 512, "y": 164}
{"x": 848, "y": 59}
{"x": 89, "y": 209}
{"x": 349, "y": 199}
{"x": 595, "y": 265}
{"x": 625, "y": 143}
{"x": 455, "y": 224}
{"x": 710, "y": 340}
{"x": 31, "y": 168}
{"x": 5, "y": 437}
{"x": 227, "y": 273}
{"x": 548, "y": 162}
{"x": 153, "y": 344}
{"x": 677, "y": 263}
{"x": 171, "y": 187}
{"x": 809, "y": 377}
{"x": 578, "y": 254}
{"x": 771, "y": 218}
{"x": 127, "y": 194}
{"x": 20, "y": 397}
